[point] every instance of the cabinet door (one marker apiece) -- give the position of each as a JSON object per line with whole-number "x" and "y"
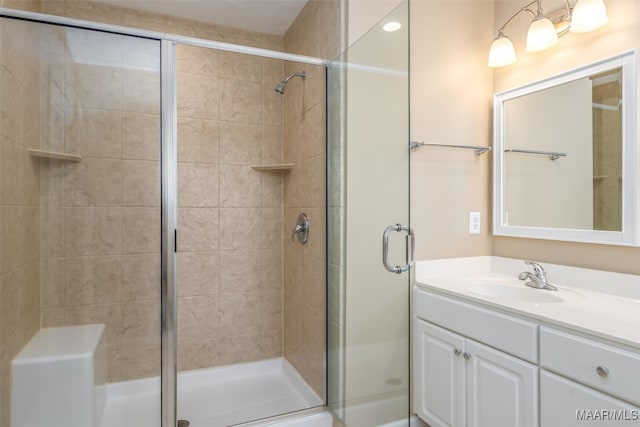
{"x": 439, "y": 372}
{"x": 502, "y": 391}
{"x": 569, "y": 404}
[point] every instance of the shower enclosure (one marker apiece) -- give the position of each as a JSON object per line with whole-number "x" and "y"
{"x": 150, "y": 184}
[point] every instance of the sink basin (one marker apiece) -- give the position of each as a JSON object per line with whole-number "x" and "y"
{"x": 515, "y": 293}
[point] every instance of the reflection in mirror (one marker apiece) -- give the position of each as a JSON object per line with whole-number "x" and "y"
{"x": 607, "y": 151}
{"x": 561, "y": 146}
{"x": 564, "y": 146}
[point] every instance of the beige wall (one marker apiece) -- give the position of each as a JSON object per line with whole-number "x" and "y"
{"x": 620, "y": 34}
{"x": 450, "y": 104}
{"x": 315, "y": 32}
{"x": 19, "y": 196}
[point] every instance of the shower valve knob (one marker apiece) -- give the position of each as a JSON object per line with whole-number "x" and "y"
{"x": 301, "y": 229}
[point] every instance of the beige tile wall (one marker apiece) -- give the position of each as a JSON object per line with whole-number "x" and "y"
{"x": 229, "y": 216}
{"x": 19, "y": 198}
{"x": 315, "y": 32}
{"x": 607, "y": 159}
{"x": 101, "y": 216}
{"x": 230, "y": 259}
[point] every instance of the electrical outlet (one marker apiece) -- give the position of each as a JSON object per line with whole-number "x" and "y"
{"x": 474, "y": 222}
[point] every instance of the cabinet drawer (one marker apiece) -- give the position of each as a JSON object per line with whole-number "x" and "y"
{"x": 510, "y": 334}
{"x": 568, "y": 404}
{"x": 579, "y": 358}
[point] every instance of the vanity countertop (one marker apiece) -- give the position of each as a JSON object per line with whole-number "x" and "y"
{"x": 598, "y": 303}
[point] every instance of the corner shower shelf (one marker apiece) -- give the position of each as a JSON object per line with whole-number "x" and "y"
{"x": 275, "y": 168}
{"x": 54, "y": 155}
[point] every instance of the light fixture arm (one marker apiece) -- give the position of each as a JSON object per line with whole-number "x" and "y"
{"x": 539, "y": 11}
{"x": 522, "y": 10}
{"x": 567, "y": 6}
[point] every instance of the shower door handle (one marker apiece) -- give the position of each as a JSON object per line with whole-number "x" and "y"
{"x": 410, "y": 246}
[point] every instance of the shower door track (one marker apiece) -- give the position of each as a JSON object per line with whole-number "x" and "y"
{"x": 168, "y": 117}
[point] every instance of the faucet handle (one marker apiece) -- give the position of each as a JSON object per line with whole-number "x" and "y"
{"x": 539, "y": 271}
{"x": 524, "y": 275}
{"x": 538, "y": 277}
{"x": 536, "y": 267}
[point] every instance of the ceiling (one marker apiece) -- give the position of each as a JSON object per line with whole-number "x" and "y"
{"x": 265, "y": 16}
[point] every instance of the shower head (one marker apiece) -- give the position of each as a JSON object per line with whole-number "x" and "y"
{"x": 281, "y": 86}
{"x": 283, "y": 83}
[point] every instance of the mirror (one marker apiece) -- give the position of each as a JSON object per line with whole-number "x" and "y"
{"x": 565, "y": 154}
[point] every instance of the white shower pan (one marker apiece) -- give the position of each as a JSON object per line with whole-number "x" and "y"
{"x": 216, "y": 397}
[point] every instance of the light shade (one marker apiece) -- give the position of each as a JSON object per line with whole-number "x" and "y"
{"x": 541, "y": 35}
{"x": 588, "y": 15}
{"x": 502, "y": 52}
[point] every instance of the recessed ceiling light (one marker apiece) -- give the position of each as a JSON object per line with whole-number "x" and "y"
{"x": 392, "y": 26}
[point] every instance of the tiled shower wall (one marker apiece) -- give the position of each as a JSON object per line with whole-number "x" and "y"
{"x": 607, "y": 159}
{"x": 316, "y": 32}
{"x": 230, "y": 216}
{"x": 100, "y": 230}
{"x": 230, "y": 239}
{"x": 19, "y": 197}
{"x": 101, "y": 216}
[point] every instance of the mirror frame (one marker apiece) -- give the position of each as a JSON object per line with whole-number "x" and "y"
{"x": 630, "y": 234}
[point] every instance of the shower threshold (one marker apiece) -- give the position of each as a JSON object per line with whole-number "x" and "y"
{"x": 215, "y": 397}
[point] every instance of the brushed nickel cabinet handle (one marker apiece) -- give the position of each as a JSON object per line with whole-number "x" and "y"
{"x": 603, "y": 371}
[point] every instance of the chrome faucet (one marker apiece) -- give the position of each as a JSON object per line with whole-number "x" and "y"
{"x": 538, "y": 279}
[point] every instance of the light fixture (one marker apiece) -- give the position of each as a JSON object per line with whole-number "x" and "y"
{"x": 586, "y": 15}
{"x": 502, "y": 51}
{"x": 392, "y": 26}
{"x": 541, "y": 34}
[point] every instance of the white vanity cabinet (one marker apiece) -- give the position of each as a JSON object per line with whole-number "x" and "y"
{"x": 599, "y": 377}
{"x": 440, "y": 383}
{"x": 567, "y": 358}
{"x": 475, "y": 366}
{"x": 461, "y": 382}
{"x": 566, "y": 403}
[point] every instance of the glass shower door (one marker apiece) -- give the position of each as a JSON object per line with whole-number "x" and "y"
{"x": 80, "y": 236}
{"x": 368, "y": 178}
